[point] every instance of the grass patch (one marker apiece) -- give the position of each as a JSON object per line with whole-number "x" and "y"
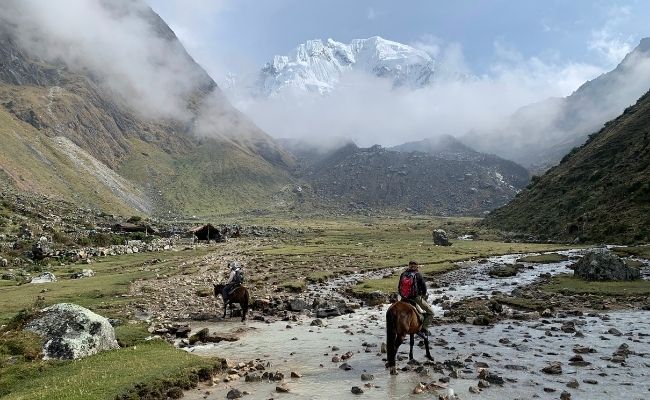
{"x": 296, "y": 286}
{"x": 389, "y": 284}
{"x": 522, "y": 303}
{"x": 129, "y": 335}
{"x": 568, "y": 284}
{"x": 547, "y": 258}
{"x": 637, "y": 251}
{"x": 100, "y": 292}
{"x": 156, "y": 366}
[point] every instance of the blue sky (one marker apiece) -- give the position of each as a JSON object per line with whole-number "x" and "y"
{"x": 234, "y": 34}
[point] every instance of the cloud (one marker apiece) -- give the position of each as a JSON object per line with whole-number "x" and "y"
{"x": 119, "y": 43}
{"x": 371, "y": 14}
{"x": 607, "y": 42}
{"x": 370, "y": 110}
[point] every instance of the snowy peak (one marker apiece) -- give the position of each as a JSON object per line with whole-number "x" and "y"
{"x": 317, "y": 66}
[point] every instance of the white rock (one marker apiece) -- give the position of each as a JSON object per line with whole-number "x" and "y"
{"x": 71, "y": 331}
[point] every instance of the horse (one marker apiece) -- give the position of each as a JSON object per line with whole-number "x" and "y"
{"x": 239, "y": 295}
{"x": 402, "y": 319}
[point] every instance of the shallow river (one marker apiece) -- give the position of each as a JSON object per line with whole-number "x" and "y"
{"x": 515, "y": 350}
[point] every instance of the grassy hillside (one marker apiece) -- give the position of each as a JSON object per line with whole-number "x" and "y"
{"x": 600, "y": 192}
{"x": 36, "y": 163}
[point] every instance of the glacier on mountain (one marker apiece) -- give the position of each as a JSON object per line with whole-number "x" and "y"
{"x": 317, "y": 66}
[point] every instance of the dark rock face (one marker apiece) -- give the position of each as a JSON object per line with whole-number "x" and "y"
{"x": 604, "y": 266}
{"x": 70, "y": 331}
{"x": 378, "y": 178}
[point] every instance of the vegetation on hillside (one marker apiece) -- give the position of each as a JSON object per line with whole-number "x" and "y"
{"x": 600, "y": 192}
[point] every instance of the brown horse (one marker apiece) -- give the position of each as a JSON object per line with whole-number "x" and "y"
{"x": 402, "y": 319}
{"x": 239, "y": 295}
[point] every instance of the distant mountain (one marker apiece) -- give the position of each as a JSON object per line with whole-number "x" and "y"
{"x": 539, "y": 135}
{"x": 317, "y": 66}
{"x": 71, "y": 129}
{"x": 430, "y": 181}
{"x": 600, "y": 192}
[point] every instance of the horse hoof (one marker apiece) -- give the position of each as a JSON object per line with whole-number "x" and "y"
{"x": 393, "y": 371}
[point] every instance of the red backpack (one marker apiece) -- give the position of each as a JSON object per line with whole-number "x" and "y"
{"x": 407, "y": 285}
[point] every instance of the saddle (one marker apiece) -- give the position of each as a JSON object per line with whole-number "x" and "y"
{"x": 417, "y": 309}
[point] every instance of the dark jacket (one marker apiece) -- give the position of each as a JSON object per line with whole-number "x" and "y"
{"x": 419, "y": 283}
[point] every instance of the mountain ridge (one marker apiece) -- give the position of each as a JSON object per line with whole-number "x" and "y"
{"x": 600, "y": 191}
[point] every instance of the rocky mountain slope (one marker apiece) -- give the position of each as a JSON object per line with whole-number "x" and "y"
{"x": 439, "y": 181}
{"x": 70, "y": 128}
{"x": 317, "y": 66}
{"x": 600, "y": 192}
{"x": 539, "y": 135}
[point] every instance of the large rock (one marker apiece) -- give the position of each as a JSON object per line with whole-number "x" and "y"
{"x": 602, "y": 265}
{"x": 440, "y": 238}
{"x": 70, "y": 331}
{"x": 45, "y": 277}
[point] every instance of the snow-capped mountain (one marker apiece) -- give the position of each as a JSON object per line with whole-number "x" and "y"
{"x": 317, "y": 66}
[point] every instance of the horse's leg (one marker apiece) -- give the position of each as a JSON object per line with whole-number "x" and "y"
{"x": 411, "y": 343}
{"x": 225, "y": 308}
{"x": 426, "y": 347}
{"x": 244, "y": 309}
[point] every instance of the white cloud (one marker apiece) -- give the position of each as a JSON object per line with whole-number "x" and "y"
{"x": 369, "y": 110}
{"x": 611, "y": 45}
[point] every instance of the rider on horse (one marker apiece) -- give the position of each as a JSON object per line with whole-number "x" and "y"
{"x": 412, "y": 288}
{"x": 235, "y": 279}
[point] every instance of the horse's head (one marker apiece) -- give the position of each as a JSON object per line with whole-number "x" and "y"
{"x": 218, "y": 287}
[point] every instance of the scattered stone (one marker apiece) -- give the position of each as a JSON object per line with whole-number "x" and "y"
{"x": 345, "y": 367}
{"x": 483, "y": 384}
{"x": 317, "y": 322}
{"x": 590, "y": 381}
{"x": 282, "y": 388}
{"x": 356, "y": 390}
{"x": 553, "y": 369}
{"x": 474, "y": 390}
{"x": 565, "y": 395}
{"x": 367, "y": 377}
{"x": 573, "y": 384}
{"x": 295, "y": 374}
{"x": 234, "y": 394}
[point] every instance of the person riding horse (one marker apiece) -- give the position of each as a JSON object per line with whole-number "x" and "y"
{"x": 413, "y": 289}
{"x": 235, "y": 279}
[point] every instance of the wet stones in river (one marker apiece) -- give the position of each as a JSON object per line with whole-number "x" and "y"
{"x": 282, "y": 388}
{"x": 565, "y": 395}
{"x": 573, "y": 384}
{"x": 356, "y": 390}
{"x": 553, "y": 369}
{"x": 578, "y": 361}
{"x": 234, "y": 394}
{"x": 367, "y": 377}
{"x": 491, "y": 377}
{"x": 317, "y": 322}
{"x": 345, "y": 367}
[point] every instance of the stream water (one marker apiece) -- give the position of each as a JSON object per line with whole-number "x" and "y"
{"x": 515, "y": 350}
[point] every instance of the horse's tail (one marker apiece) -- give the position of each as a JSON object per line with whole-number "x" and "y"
{"x": 391, "y": 336}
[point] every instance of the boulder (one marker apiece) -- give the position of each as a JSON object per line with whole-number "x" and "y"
{"x": 45, "y": 277}
{"x": 602, "y": 265}
{"x": 376, "y": 298}
{"x": 4, "y": 263}
{"x": 440, "y": 238}
{"x": 70, "y": 331}
{"x": 41, "y": 250}
{"x": 85, "y": 273}
{"x": 298, "y": 305}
